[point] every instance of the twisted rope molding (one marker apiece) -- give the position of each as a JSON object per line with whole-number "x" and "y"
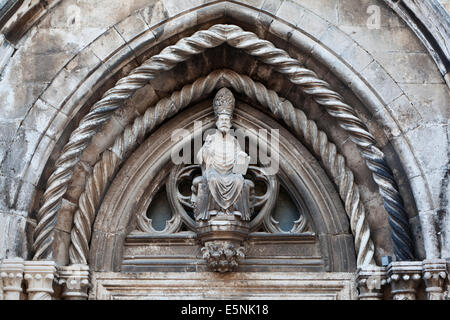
{"x": 307, "y": 130}
{"x": 306, "y": 79}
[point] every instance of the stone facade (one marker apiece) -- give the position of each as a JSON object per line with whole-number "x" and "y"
{"x": 358, "y": 89}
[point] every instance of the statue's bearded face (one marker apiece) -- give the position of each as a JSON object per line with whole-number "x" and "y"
{"x": 223, "y": 123}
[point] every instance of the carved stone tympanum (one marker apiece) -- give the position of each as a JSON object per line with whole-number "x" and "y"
{"x": 221, "y": 195}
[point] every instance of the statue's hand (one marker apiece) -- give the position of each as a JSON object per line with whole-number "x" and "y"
{"x": 241, "y": 163}
{"x": 204, "y": 152}
{"x": 208, "y": 140}
{"x": 243, "y": 154}
{"x": 242, "y": 157}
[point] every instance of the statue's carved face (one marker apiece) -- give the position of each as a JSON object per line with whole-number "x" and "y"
{"x": 223, "y": 123}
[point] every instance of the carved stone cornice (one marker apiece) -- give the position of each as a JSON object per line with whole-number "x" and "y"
{"x": 370, "y": 280}
{"x": 39, "y": 276}
{"x": 75, "y": 281}
{"x": 404, "y": 278}
{"x": 11, "y": 272}
{"x": 434, "y": 274}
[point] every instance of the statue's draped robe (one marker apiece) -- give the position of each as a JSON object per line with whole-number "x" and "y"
{"x": 218, "y": 155}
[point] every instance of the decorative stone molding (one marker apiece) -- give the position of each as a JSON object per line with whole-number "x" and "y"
{"x": 17, "y": 17}
{"x": 39, "y": 276}
{"x": 370, "y": 280}
{"x": 434, "y": 274}
{"x": 11, "y": 272}
{"x": 429, "y": 21}
{"x": 75, "y": 281}
{"x": 404, "y": 277}
{"x": 234, "y": 285}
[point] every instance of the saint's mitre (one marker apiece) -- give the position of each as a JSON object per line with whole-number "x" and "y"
{"x": 223, "y": 102}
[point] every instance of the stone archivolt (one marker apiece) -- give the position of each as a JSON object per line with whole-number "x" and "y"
{"x": 306, "y": 79}
{"x": 106, "y": 168}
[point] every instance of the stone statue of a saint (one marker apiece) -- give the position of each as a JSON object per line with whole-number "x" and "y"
{"x": 222, "y": 188}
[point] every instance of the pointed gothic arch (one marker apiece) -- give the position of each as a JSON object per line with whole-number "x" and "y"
{"x": 307, "y": 179}
{"x": 69, "y": 91}
{"x": 169, "y": 57}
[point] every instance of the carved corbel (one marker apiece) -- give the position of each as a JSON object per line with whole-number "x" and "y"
{"x": 74, "y": 280}
{"x": 434, "y": 274}
{"x": 404, "y": 277}
{"x": 39, "y": 276}
{"x": 371, "y": 280}
{"x": 11, "y": 272}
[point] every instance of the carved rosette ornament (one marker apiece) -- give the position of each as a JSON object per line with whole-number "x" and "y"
{"x": 404, "y": 278}
{"x": 11, "y": 273}
{"x": 39, "y": 276}
{"x": 434, "y": 274}
{"x": 75, "y": 281}
{"x": 371, "y": 280}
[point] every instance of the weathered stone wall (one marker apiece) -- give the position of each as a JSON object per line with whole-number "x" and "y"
{"x": 76, "y": 50}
